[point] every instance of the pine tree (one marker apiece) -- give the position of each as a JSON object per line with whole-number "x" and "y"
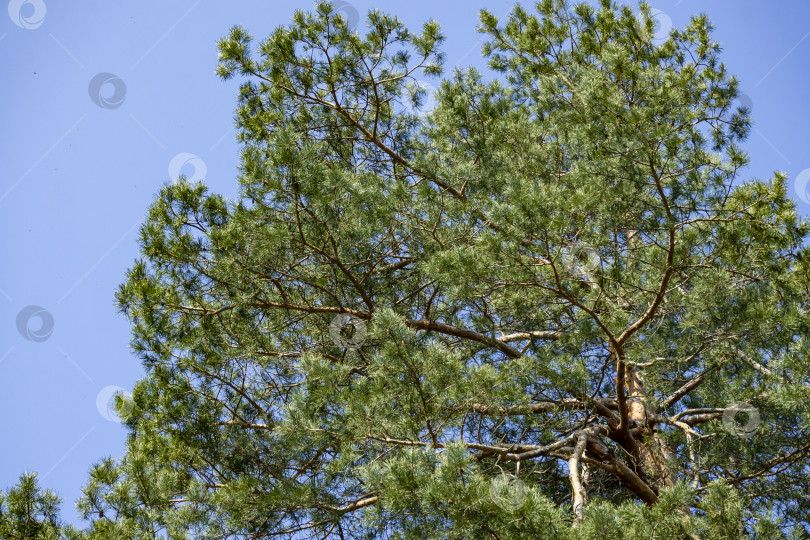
{"x": 28, "y": 512}
{"x": 550, "y": 307}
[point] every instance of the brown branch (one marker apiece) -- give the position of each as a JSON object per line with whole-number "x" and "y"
{"x": 627, "y": 477}
{"x": 773, "y": 463}
{"x": 683, "y": 391}
{"x": 463, "y": 333}
{"x": 393, "y": 266}
{"x": 621, "y": 390}
{"x": 567, "y": 404}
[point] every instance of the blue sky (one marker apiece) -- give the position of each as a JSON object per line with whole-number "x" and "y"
{"x": 100, "y": 100}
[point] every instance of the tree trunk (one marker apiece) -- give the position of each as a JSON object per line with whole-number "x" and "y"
{"x": 655, "y": 456}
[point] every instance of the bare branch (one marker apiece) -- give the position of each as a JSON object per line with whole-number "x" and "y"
{"x": 578, "y": 490}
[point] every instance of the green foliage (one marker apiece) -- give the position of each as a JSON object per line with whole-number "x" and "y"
{"x": 29, "y": 512}
{"x": 556, "y": 286}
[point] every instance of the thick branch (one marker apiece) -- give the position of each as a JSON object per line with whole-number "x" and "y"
{"x": 578, "y": 490}
{"x": 621, "y": 471}
{"x": 537, "y": 334}
{"x": 568, "y": 404}
{"x": 683, "y": 390}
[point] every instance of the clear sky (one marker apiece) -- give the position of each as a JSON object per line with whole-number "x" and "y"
{"x": 101, "y": 100}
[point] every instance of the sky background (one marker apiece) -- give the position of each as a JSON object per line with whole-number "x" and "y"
{"x": 103, "y": 102}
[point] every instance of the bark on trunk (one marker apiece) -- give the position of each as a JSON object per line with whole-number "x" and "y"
{"x": 656, "y": 458}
